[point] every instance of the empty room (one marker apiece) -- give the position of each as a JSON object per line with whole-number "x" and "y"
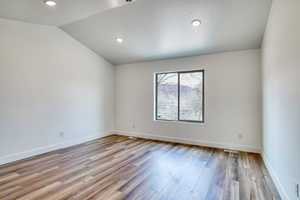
{"x": 149, "y": 99}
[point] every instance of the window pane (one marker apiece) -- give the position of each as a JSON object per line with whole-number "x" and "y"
{"x": 167, "y": 96}
{"x": 191, "y": 96}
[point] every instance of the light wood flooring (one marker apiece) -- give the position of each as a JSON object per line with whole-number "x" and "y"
{"x": 116, "y": 167}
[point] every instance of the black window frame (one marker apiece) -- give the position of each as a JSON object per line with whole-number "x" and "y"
{"x": 178, "y": 84}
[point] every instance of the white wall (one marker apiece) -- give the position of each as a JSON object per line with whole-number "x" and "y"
{"x": 281, "y": 81}
{"x": 233, "y": 100}
{"x": 50, "y": 83}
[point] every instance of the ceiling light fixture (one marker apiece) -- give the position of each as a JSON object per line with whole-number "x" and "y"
{"x": 196, "y": 22}
{"x": 50, "y": 3}
{"x": 119, "y": 40}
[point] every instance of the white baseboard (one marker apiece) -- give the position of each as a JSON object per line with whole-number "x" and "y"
{"x": 275, "y": 178}
{"x": 45, "y": 149}
{"x": 244, "y": 148}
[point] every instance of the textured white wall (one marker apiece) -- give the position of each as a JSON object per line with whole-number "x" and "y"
{"x": 281, "y": 81}
{"x": 50, "y": 83}
{"x": 232, "y": 95}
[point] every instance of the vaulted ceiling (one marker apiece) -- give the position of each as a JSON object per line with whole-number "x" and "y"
{"x": 66, "y": 11}
{"x": 151, "y": 29}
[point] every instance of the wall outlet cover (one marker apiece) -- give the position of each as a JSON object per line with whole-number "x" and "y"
{"x": 61, "y": 134}
{"x": 240, "y": 136}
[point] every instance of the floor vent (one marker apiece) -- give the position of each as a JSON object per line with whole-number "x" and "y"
{"x": 230, "y": 151}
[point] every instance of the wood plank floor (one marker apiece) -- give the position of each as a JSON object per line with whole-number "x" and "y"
{"x": 117, "y": 167}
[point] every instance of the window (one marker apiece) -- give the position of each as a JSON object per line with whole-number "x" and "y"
{"x": 180, "y": 96}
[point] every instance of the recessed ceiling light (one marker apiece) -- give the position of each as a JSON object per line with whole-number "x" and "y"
{"x": 50, "y": 3}
{"x": 196, "y": 22}
{"x": 119, "y": 40}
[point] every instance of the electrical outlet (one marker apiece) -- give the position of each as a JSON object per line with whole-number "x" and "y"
{"x": 62, "y": 134}
{"x": 240, "y": 136}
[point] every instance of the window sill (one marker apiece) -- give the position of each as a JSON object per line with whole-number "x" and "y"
{"x": 179, "y": 122}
